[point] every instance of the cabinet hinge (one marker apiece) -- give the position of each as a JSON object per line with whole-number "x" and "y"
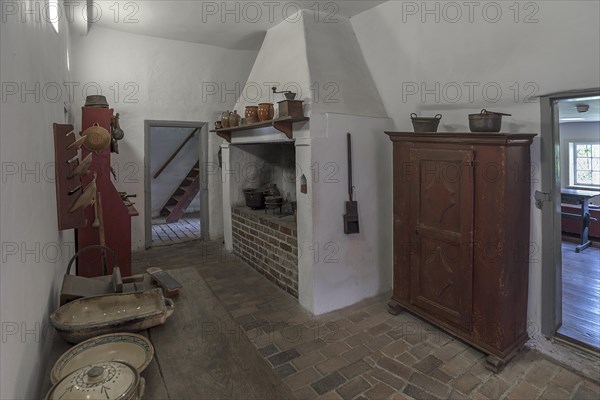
{"x": 540, "y": 198}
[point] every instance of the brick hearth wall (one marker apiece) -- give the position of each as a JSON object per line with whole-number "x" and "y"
{"x": 267, "y": 245}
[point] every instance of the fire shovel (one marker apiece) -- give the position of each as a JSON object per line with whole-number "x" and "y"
{"x": 351, "y": 215}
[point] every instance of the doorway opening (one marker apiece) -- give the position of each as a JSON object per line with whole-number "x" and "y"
{"x": 579, "y": 135}
{"x": 176, "y": 195}
{"x": 575, "y": 264}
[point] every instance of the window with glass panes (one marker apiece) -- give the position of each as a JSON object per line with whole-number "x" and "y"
{"x": 585, "y": 164}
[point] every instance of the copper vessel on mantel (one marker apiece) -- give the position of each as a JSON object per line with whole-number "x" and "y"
{"x": 266, "y": 111}
{"x": 251, "y": 114}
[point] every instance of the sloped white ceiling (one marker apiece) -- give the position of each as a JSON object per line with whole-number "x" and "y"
{"x": 229, "y": 24}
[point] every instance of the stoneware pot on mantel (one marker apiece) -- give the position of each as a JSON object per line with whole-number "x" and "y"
{"x": 251, "y": 114}
{"x": 266, "y": 111}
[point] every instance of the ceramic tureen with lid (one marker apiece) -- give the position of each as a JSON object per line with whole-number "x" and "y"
{"x": 131, "y": 348}
{"x": 108, "y": 381}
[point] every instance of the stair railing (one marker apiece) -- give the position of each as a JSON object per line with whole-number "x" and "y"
{"x": 161, "y": 169}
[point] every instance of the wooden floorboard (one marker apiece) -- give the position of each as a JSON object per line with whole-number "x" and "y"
{"x": 581, "y": 294}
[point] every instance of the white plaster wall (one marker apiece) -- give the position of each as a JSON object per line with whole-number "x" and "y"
{"x": 339, "y": 75}
{"x": 226, "y": 197}
{"x": 280, "y": 62}
{"x": 324, "y": 64}
{"x": 558, "y": 52}
{"x": 158, "y": 79}
{"x": 305, "y": 225}
{"x": 34, "y": 253}
{"x": 164, "y": 142}
{"x": 319, "y": 60}
{"x": 349, "y": 268}
{"x": 575, "y": 131}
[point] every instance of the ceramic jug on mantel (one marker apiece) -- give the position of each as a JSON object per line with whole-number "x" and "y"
{"x": 234, "y": 119}
{"x": 225, "y": 119}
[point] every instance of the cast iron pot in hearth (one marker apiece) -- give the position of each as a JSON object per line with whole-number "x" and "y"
{"x": 255, "y": 199}
{"x": 273, "y": 203}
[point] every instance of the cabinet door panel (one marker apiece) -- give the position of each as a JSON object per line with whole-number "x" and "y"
{"x": 442, "y": 224}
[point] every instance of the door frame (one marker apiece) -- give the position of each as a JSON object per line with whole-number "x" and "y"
{"x": 551, "y": 208}
{"x": 203, "y": 157}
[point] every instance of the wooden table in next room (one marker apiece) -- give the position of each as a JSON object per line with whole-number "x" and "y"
{"x": 582, "y": 198}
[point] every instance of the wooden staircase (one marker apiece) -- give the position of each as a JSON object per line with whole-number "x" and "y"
{"x": 182, "y": 197}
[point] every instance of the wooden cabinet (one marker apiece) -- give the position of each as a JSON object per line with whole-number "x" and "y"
{"x": 461, "y": 235}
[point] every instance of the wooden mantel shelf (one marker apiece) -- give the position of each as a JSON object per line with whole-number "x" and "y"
{"x": 284, "y": 125}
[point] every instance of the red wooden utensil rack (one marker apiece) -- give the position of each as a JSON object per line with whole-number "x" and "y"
{"x": 116, "y": 215}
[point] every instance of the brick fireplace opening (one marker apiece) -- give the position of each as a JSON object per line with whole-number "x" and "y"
{"x": 266, "y": 239}
{"x": 269, "y": 244}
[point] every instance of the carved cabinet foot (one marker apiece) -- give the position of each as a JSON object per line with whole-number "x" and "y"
{"x": 394, "y": 308}
{"x": 494, "y": 364}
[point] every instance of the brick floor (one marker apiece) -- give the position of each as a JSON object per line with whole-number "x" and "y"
{"x": 362, "y": 352}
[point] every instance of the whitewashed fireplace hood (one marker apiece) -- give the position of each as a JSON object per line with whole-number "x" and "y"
{"x": 323, "y": 62}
